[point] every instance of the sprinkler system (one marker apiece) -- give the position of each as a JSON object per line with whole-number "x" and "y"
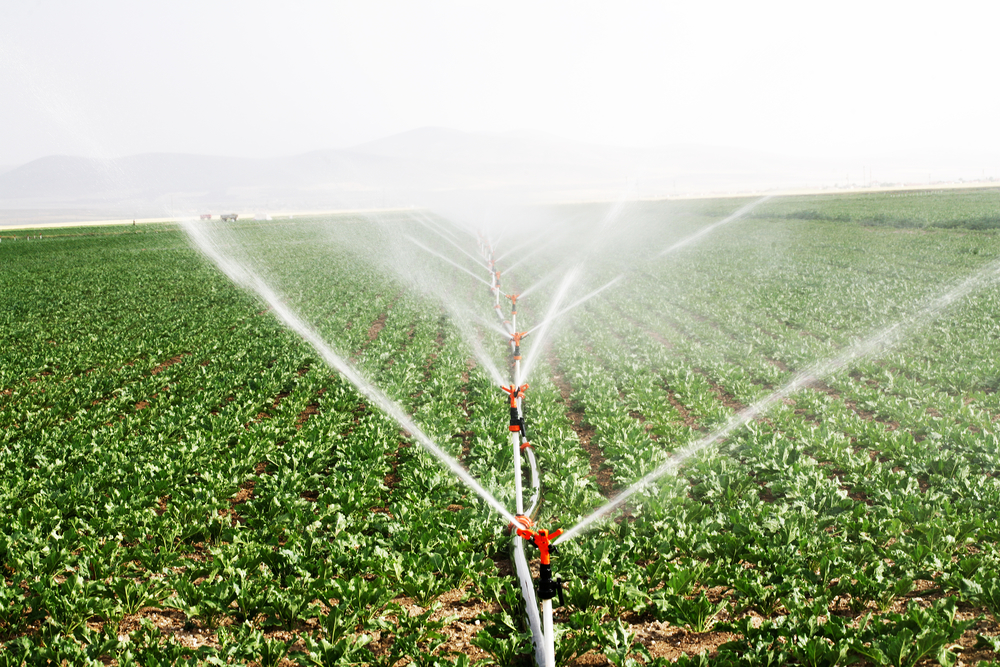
{"x": 521, "y": 521}
{"x": 523, "y": 527}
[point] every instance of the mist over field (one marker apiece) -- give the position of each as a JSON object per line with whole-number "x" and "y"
{"x": 119, "y": 112}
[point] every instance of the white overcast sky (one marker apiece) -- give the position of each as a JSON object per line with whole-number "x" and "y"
{"x": 265, "y": 79}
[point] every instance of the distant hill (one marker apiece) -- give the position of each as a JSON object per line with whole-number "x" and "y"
{"x": 415, "y": 167}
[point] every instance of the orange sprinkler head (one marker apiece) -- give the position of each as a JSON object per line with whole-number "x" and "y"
{"x": 515, "y": 393}
{"x": 516, "y": 340}
{"x": 542, "y": 539}
{"x": 548, "y": 587}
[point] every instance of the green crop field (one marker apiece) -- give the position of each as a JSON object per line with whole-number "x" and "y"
{"x": 184, "y": 480}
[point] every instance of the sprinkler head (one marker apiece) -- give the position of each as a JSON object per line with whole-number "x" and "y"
{"x": 513, "y": 302}
{"x": 516, "y": 420}
{"x": 548, "y": 587}
{"x": 542, "y": 539}
{"x": 516, "y": 340}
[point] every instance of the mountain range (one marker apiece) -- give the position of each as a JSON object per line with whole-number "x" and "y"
{"x": 416, "y": 167}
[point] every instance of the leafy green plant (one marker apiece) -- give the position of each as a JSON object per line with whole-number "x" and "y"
{"x": 698, "y": 612}
{"x": 904, "y": 640}
{"x": 618, "y": 644}
{"x": 342, "y": 651}
{"x": 363, "y": 598}
{"x": 132, "y": 595}
{"x": 503, "y": 649}
{"x": 207, "y": 602}
{"x": 578, "y": 635}
{"x": 411, "y": 635}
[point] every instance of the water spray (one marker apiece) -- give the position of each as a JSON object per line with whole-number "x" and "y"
{"x": 248, "y": 279}
{"x": 526, "y": 255}
{"x": 739, "y": 213}
{"x": 538, "y": 283}
{"x": 463, "y": 250}
{"x": 557, "y": 300}
{"x": 881, "y": 341}
{"x": 578, "y": 302}
{"x": 514, "y": 249}
{"x": 440, "y": 256}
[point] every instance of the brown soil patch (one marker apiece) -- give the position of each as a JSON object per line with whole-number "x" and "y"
{"x": 377, "y": 326}
{"x": 279, "y": 398}
{"x": 670, "y": 642}
{"x": 461, "y": 606}
{"x": 309, "y": 411}
{"x": 244, "y": 494}
{"x": 168, "y": 363}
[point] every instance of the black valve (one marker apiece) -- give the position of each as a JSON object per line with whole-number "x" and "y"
{"x": 549, "y": 587}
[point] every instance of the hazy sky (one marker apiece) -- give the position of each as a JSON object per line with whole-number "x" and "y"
{"x": 264, "y": 79}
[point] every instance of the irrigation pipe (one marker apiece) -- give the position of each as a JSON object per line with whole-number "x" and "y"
{"x": 536, "y": 485}
{"x": 540, "y": 625}
{"x": 530, "y": 602}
